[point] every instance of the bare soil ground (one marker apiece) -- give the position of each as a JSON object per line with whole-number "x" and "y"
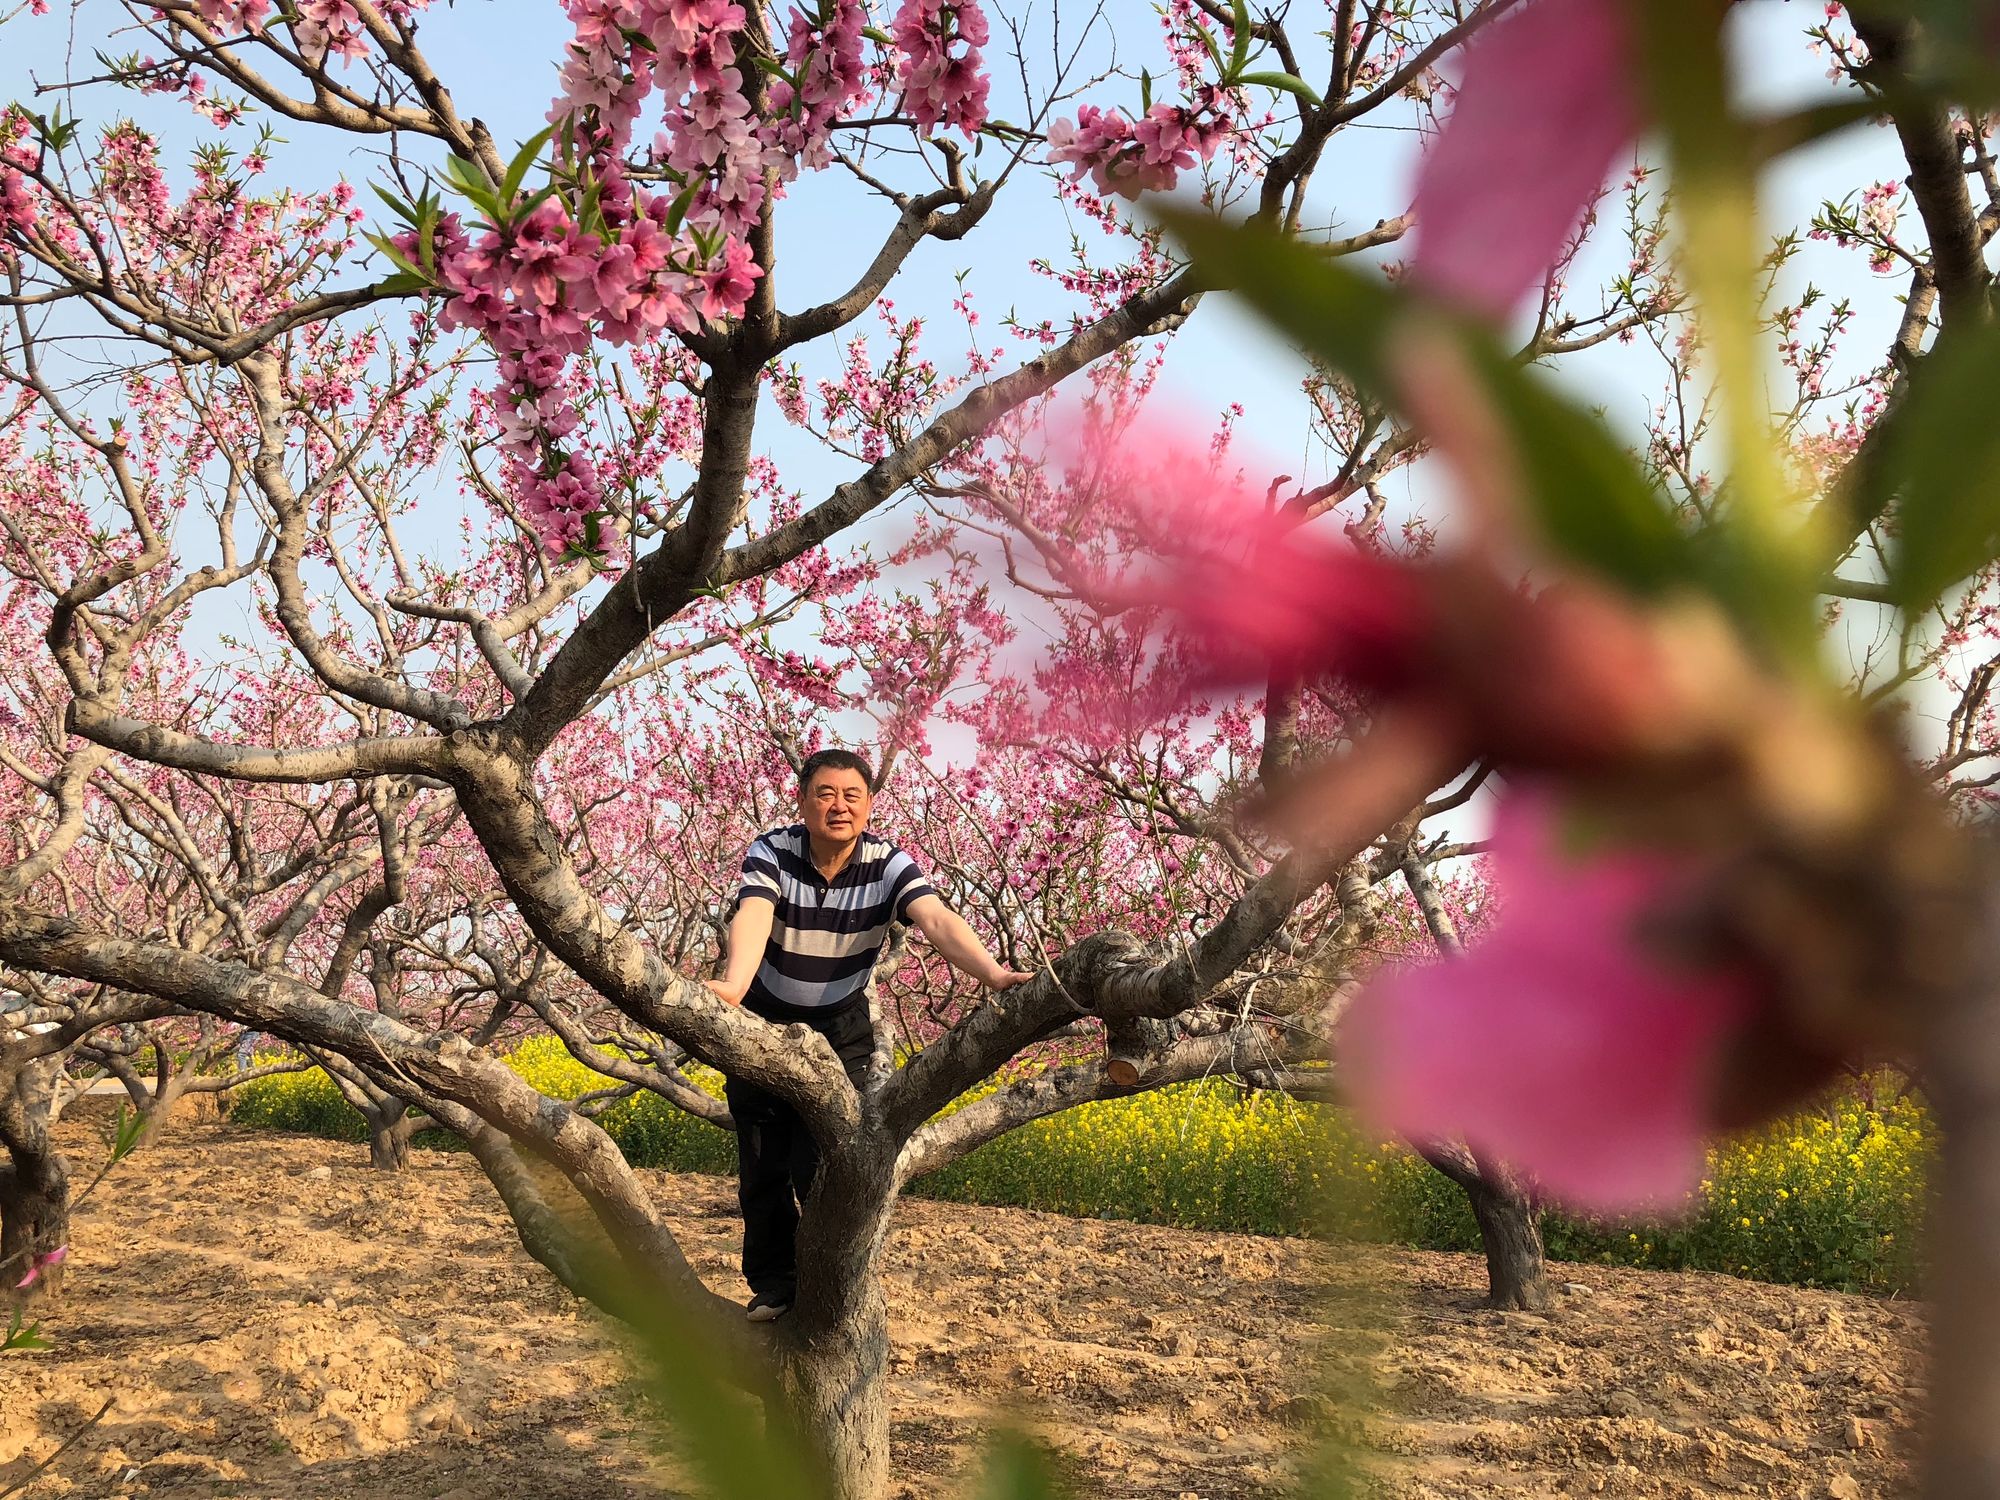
{"x": 269, "y": 1318}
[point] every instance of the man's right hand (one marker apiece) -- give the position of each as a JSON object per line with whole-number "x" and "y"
{"x": 721, "y": 990}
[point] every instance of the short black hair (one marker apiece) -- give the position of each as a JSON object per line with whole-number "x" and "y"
{"x": 839, "y": 760}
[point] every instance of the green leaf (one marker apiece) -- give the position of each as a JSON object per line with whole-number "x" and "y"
{"x": 402, "y": 284}
{"x": 473, "y": 186}
{"x": 397, "y": 206}
{"x": 542, "y": 195}
{"x": 396, "y": 257}
{"x": 429, "y": 208}
{"x": 1016, "y": 1468}
{"x": 1239, "y": 23}
{"x": 1791, "y": 129}
{"x": 1214, "y": 50}
{"x": 524, "y": 159}
{"x": 1594, "y": 505}
{"x": 1720, "y": 251}
{"x": 677, "y": 211}
{"x": 56, "y": 132}
{"x": 1284, "y": 81}
{"x": 22, "y": 1334}
{"x": 1940, "y": 449}
{"x": 463, "y": 174}
{"x": 125, "y": 1132}
{"x": 733, "y": 1428}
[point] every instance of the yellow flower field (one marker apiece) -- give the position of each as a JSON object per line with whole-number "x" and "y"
{"x": 1831, "y": 1197}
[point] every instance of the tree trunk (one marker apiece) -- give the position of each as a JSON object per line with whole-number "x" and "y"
{"x": 1962, "y": 1081}
{"x": 390, "y": 1124}
{"x": 1510, "y": 1233}
{"x": 833, "y": 1347}
{"x": 34, "y": 1185}
{"x": 158, "y": 1107}
{"x": 832, "y": 1378}
{"x": 389, "y": 1132}
{"x": 1509, "y": 1227}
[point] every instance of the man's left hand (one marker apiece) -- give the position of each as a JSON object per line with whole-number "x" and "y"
{"x": 1006, "y": 979}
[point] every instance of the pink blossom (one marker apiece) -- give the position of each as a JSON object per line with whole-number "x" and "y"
{"x": 726, "y": 286}
{"x": 1132, "y": 157}
{"x": 1255, "y": 587}
{"x": 20, "y": 196}
{"x": 234, "y": 15}
{"x": 37, "y": 1264}
{"x": 1544, "y": 109}
{"x": 330, "y": 26}
{"x": 1564, "y": 1041}
{"x": 826, "y": 60}
{"x": 941, "y": 85}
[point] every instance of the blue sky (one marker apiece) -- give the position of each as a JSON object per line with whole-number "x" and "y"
{"x": 498, "y": 58}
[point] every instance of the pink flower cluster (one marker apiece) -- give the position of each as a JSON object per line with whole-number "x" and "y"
{"x": 1130, "y": 157}
{"x": 171, "y": 79}
{"x": 827, "y": 76}
{"x": 320, "y": 27}
{"x": 218, "y": 244}
{"x": 329, "y": 26}
{"x": 687, "y": 54}
{"x": 940, "y": 85}
{"x": 1873, "y": 225}
{"x": 544, "y": 286}
{"x": 1587, "y": 1038}
{"x": 20, "y": 198}
{"x": 234, "y": 15}
{"x": 540, "y": 291}
{"x": 1879, "y": 207}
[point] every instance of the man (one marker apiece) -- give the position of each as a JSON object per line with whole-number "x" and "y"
{"x": 816, "y": 905}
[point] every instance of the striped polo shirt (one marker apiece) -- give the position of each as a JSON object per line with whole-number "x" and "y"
{"x": 825, "y": 935}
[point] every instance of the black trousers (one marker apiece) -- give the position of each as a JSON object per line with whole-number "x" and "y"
{"x": 776, "y": 1157}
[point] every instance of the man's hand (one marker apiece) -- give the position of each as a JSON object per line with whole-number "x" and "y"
{"x": 1005, "y": 979}
{"x": 725, "y": 992}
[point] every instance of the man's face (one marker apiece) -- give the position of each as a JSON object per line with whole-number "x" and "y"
{"x": 834, "y": 806}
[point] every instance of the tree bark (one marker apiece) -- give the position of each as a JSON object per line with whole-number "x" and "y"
{"x": 34, "y": 1184}
{"x": 389, "y": 1133}
{"x": 157, "y": 1108}
{"x": 1510, "y": 1232}
{"x": 831, "y": 1373}
{"x": 1962, "y": 1080}
{"x": 1509, "y": 1226}
{"x": 390, "y": 1123}
{"x": 833, "y": 1350}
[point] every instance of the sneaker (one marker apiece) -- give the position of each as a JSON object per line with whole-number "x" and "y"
{"x": 768, "y": 1307}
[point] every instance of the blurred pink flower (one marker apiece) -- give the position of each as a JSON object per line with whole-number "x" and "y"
{"x": 1568, "y": 678}
{"x": 1545, "y": 106}
{"x": 1244, "y": 583}
{"x": 1561, "y": 1043}
{"x": 1268, "y": 589}
{"x": 37, "y": 1264}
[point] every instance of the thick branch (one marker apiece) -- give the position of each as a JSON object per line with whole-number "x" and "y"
{"x": 1937, "y": 174}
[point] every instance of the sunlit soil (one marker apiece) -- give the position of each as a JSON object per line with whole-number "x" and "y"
{"x": 273, "y": 1319}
